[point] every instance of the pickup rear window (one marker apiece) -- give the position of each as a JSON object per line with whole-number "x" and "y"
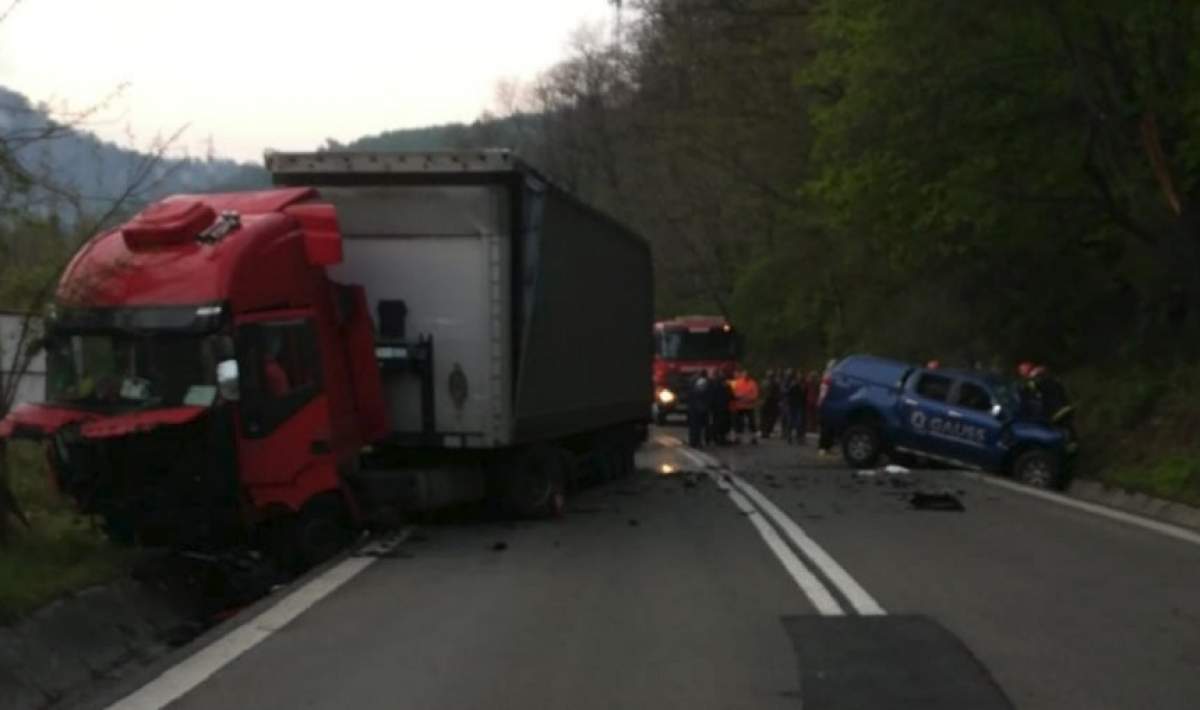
{"x": 972, "y": 396}
{"x": 935, "y": 387}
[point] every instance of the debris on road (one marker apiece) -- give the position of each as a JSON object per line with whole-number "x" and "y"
{"x": 633, "y": 523}
{"x": 386, "y": 546}
{"x": 936, "y": 501}
{"x": 500, "y": 546}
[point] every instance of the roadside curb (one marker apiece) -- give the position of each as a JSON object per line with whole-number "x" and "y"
{"x": 1136, "y": 503}
{"x": 73, "y": 642}
{"x": 134, "y": 677}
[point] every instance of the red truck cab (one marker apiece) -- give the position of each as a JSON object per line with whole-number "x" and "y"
{"x": 205, "y": 376}
{"x": 684, "y": 346}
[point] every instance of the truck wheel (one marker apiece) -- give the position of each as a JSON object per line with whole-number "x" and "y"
{"x": 627, "y": 465}
{"x": 317, "y": 532}
{"x": 537, "y": 484}
{"x": 1037, "y": 468}
{"x": 861, "y": 445}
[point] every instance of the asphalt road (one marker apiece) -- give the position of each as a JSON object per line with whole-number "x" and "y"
{"x": 682, "y": 588}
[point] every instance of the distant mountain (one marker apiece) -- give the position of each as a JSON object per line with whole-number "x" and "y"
{"x": 99, "y": 170}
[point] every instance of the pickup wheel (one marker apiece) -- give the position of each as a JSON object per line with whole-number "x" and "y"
{"x": 861, "y": 445}
{"x": 1037, "y": 468}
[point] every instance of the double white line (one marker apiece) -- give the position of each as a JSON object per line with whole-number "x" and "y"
{"x": 773, "y": 525}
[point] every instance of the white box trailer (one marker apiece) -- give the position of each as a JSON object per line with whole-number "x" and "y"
{"x": 507, "y": 312}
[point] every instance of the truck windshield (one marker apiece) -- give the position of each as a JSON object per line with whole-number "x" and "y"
{"x": 130, "y": 371}
{"x": 716, "y": 344}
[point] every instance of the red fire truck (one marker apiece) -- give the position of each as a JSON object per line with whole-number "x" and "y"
{"x": 684, "y": 346}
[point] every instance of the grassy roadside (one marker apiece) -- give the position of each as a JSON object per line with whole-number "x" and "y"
{"x": 1140, "y": 430}
{"x": 62, "y": 552}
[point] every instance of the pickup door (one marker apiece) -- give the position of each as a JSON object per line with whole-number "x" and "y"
{"x": 949, "y": 418}
{"x": 972, "y": 430}
{"x": 924, "y": 398}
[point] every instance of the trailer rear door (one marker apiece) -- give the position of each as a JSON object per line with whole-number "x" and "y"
{"x": 443, "y": 251}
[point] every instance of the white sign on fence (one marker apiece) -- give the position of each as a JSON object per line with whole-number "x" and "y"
{"x": 32, "y": 384}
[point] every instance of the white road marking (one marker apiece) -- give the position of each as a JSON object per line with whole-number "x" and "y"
{"x": 668, "y": 441}
{"x": 804, "y": 577}
{"x": 699, "y": 458}
{"x": 862, "y": 602}
{"x": 195, "y": 669}
{"x": 1174, "y": 531}
{"x": 808, "y": 582}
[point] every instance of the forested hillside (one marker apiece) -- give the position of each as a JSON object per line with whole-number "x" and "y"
{"x": 977, "y": 182}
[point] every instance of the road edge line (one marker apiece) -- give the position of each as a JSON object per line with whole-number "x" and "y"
{"x": 176, "y": 681}
{"x": 1162, "y": 528}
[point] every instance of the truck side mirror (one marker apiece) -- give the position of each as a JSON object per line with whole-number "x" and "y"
{"x": 228, "y": 380}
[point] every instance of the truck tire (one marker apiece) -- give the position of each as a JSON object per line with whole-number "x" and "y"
{"x": 537, "y": 485}
{"x": 626, "y": 464}
{"x": 1037, "y": 468}
{"x": 861, "y": 445}
{"x": 300, "y": 540}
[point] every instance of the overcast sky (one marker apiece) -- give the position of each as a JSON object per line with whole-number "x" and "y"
{"x": 282, "y": 74}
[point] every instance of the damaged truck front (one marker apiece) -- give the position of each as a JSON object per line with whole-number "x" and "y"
{"x": 161, "y": 415}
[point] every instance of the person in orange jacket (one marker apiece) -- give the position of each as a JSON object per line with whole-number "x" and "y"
{"x": 745, "y": 400}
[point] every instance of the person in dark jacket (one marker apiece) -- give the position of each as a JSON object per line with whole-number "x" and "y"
{"x": 795, "y": 396}
{"x": 812, "y": 388}
{"x": 1053, "y": 402}
{"x": 785, "y": 412}
{"x": 697, "y": 411}
{"x": 770, "y": 404}
{"x": 720, "y": 397}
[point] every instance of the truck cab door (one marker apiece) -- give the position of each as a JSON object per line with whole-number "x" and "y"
{"x": 284, "y": 414}
{"x": 973, "y": 430}
{"x": 924, "y": 400}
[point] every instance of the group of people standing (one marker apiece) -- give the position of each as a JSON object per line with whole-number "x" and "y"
{"x": 721, "y": 402}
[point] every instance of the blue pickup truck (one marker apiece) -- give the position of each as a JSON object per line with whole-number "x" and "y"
{"x": 970, "y": 419}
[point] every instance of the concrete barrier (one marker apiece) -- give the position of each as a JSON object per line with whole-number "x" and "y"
{"x": 1136, "y": 503}
{"x": 67, "y": 645}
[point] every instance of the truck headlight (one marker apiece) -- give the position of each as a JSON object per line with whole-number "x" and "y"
{"x": 666, "y": 396}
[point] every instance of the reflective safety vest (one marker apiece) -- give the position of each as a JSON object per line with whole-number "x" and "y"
{"x": 745, "y": 393}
